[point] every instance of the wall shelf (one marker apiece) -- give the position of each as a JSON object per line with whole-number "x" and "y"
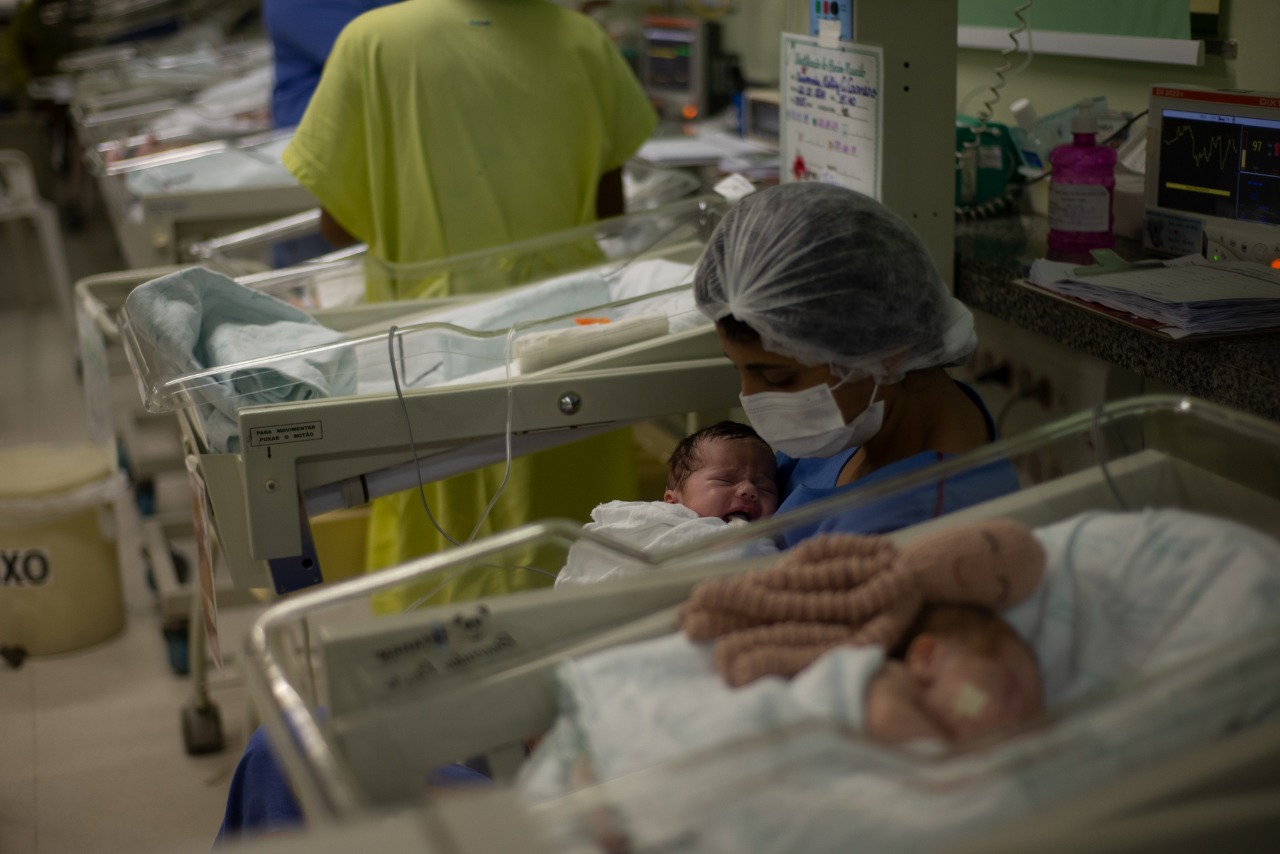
{"x": 1129, "y": 48}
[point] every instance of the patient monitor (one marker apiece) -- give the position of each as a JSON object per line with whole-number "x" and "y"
{"x": 682, "y": 69}
{"x": 1213, "y": 173}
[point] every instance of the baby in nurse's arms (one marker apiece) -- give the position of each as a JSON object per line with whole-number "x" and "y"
{"x": 722, "y": 475}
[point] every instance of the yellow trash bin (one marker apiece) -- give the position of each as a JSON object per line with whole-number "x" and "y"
{"x": 59, "y": 569}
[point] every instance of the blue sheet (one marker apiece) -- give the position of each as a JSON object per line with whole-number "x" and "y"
{"x": 197, "y": 319}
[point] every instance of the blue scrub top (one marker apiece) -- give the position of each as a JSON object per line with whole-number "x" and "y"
{"x": 302, "y": 34}
{"x": 260, "y": 800}
{"x": 803, "y": 481}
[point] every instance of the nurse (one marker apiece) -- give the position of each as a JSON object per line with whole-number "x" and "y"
{"x": 841, "y": 329}
{"x": 451, "y": 126}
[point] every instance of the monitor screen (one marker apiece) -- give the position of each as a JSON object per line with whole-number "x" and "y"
{"x": 1219, "y": 165}
{"x": 669, "y": 55}
{"x": 1213, "y": 173}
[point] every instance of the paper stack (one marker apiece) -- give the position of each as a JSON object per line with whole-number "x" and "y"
{"x": 1185, "y": 296}
{"x": 705, "y": 149}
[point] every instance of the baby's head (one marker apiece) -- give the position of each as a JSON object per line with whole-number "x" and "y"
{"x": 726, "y": 471}
{"x": 971, "y": 671}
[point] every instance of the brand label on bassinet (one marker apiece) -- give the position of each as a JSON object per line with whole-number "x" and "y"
{"x": 25, "y": 568}
{"x": 284, "y": 433}
{"x": 365, "y": 671}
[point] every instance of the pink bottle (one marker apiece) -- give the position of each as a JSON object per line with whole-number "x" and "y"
{"x": 1081, "y": 185}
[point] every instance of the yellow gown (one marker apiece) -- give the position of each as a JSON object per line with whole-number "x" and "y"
{"x": 449, "y": 126}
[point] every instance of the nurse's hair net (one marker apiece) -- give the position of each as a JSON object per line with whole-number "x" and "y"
{"x": 827, "y": 275}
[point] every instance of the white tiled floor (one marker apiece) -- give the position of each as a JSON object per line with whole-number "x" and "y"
{"x": 91, "y": 750}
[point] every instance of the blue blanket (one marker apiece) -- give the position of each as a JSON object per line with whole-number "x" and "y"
{"x": 196, "y": 319}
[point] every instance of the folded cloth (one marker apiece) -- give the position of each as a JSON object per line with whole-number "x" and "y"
{"x": 651, "y": 526}
{"x": 255, "y": 167}
{"x": 196, "y": 319}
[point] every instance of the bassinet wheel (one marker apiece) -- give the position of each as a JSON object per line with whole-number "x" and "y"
{"x": 202, "y": 729}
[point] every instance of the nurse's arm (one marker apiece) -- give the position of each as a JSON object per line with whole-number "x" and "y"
{"x": 334, "y": 234}
{"x": 610, "y": 200}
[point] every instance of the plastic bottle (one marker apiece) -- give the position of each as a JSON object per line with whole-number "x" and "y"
{"x": 1081, "y": 186}
{"x": 1035, "y": 151}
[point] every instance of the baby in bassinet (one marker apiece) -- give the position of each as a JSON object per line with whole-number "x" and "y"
{"x": 1143, "y": 595}
{"x": 825, "y": 618}
{"x": 721, "y": 475}
{"x": 954, "y": 670}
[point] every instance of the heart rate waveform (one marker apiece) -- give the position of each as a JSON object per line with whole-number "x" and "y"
{"x": 1199, "y": 166}
{"x": 1207, "y": 144}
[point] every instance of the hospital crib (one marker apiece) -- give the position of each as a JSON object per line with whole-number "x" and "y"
{"x": 452, "y": 355}
{"x": 334, "y": 283}
{"x": 271, "y": 244}
{"x": 145, "y": 83}
{"x": 360, "y": 449}
{"x": 97, "y": 23}
{"x": 161, "y": 132}
{"x": 159, "y": 202}
{"x": 361, "y": 706}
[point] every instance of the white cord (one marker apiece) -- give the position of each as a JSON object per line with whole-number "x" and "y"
{"x": 408, "y": 423}
{"x": 508, "y": 351}
{"x": 1099, "y": 447}
{"x": 506, "y": 473}
{"x": 1002, "y": 74}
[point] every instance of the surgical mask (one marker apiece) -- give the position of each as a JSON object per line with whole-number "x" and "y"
{"x": 809, "y": 423}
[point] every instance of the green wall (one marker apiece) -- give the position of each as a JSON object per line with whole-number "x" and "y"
{"x": 1053, "y": 82}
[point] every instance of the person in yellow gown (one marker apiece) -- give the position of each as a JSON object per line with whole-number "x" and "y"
{"x": 447, "y": 126}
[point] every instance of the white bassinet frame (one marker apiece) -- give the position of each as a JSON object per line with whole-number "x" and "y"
{"x": 323, "y": 647}
{"x": 351, "y": 449}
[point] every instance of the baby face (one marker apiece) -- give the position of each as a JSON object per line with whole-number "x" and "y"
{"x": 737, "y": 479}
{"x": 972, "y": 693}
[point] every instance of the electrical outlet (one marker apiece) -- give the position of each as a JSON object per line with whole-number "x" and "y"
{"x": 1046, "y": 382}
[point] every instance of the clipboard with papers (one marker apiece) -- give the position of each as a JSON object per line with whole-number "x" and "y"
{"x": 1187, "y": 297}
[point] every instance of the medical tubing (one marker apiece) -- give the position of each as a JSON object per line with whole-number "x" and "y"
{"x": 1123, "y": 128}
{"x": 506, "y": 473}
{"x": 1095, "y": 432}
{"x": 408, "y": 424}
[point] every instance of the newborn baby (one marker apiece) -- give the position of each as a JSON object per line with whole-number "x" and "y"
{"x": 721, "y": 475}
{"x": 726, "y": 472}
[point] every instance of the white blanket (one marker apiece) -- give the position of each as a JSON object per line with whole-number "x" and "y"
{"x": 255, "y": 167}
{"x": 439, "y": 356}
{"x": 236, "y": 105}
{"x": 650, "y": 526}
{"x": 1123, "y": 592}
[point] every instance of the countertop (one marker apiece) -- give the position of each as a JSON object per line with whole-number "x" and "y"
{"x": 1242, "y": 372}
